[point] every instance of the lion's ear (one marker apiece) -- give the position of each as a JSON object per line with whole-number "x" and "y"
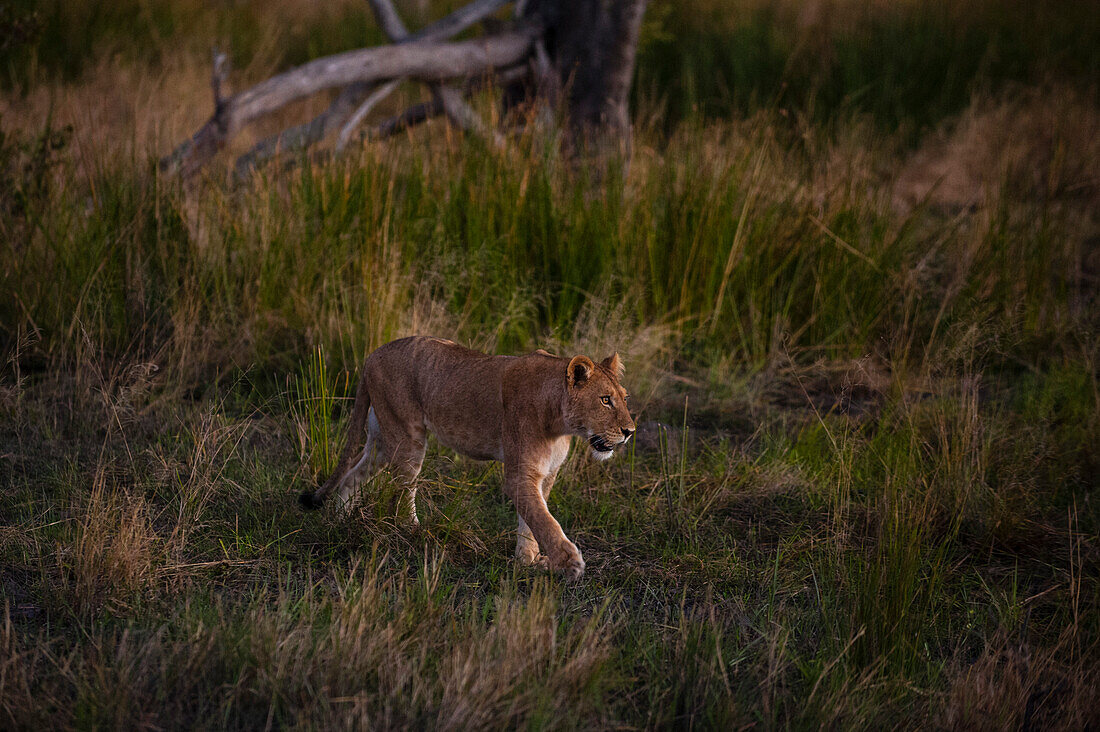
{"x": 580, "y": 369}
{"x": 614, "y": 365}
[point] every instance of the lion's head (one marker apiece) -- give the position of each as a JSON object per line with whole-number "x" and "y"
{"x": 595, "y": 404}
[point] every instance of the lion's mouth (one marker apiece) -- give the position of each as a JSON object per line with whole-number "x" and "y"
{"x": 600, "y": 444}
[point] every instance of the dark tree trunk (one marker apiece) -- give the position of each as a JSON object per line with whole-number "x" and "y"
{"x": 591, "y": 45}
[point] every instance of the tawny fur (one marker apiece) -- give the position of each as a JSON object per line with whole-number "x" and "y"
{"x": 521, "y": 410}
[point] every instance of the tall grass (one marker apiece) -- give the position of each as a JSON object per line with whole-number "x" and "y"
{"x": 723, "y": 239}
{"x": 316, "y": 396}
{"x": 906, "y": 65}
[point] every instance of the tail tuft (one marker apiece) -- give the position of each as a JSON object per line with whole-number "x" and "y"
{"x": 309, "y": 501}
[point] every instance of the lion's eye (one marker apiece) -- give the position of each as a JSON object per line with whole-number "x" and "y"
{"x": 606, "y": 400}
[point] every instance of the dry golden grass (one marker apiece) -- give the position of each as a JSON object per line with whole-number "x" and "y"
{"x": 1017, "y": 686}
{"x": 1041, "y": 142}
{"x": 113, "y": 551}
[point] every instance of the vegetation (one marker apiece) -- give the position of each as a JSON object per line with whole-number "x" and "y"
{"x": 853, "y": 271}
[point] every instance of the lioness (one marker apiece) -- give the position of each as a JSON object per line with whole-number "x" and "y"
{"x": 521, "y": 410}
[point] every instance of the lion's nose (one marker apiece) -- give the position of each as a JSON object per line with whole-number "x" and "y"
{"x": 627, "y": 433}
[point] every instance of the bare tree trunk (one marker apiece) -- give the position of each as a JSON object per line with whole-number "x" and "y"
{"x": 591, "y": 45}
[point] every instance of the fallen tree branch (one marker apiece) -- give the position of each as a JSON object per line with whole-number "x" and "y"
{"x": 451, "y": 25}
{"x": 414, "y": 115}
{"x": 356, "y": 119}
{"x": 446, "y": 97}
{"x": 422, "y": 112}
{"x": 302, "y": 136}
{"x": 424, "y": 60}
{"x": 217, "y": 77}
{"x": 461, "y": 19}
{"x": 388, "y": 20}
{"x": 336, "y": 116}
{"x": 458, "y": 111}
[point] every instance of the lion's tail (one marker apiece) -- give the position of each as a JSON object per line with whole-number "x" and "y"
{"x": 357, "y": 439}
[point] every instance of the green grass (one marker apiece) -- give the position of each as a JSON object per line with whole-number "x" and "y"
{"x": 839, "y": 574}
{"x": 872, "y": 502}
{"x": 57, "y": 39}
{"x": 907, "y": 66}
{"x": 740, "y": 268}
{"x": 313, "y": 409}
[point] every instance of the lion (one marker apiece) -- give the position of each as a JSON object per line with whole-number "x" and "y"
{"x": 520, "y": 410}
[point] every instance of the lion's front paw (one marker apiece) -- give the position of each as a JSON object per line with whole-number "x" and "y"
{"x": 567, "y": 561}
{"x": 533, "y": 560}
{"x": 527, "y": 554}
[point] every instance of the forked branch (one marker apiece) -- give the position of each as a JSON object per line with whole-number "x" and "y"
{"x": 577, "y": 57}
{"x": 419, "y": 113}
{"x": 424, "y": 60}
{"x": 352, "y": 100}
{"x": 380, "y": 93}
{"x": 446, "y": 97}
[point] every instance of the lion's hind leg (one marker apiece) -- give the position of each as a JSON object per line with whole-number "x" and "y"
{"x": 407, "y": 468}
{"x": 366, "y": 464}
{"x": 401, "y": 446}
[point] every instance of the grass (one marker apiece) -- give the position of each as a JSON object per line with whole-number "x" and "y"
{"x": 858, "y": 312}
{"x": 907, "y": 66}
{"x": 313, "y": 410}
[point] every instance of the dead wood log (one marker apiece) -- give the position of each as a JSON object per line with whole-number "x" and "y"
{"x": 448, "y": 98}
{"x": 354, "y": 97}
{"x": 356, "y": 119}
{"x": 428, "y": 61}
{"x": 424, "y": 111}
{"x": 574, "y": 54}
